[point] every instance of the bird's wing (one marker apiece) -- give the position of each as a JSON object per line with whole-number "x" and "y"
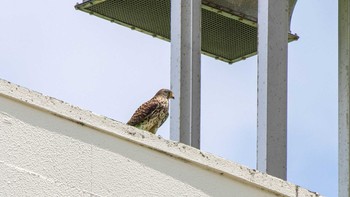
{"x": 143, "y": 112}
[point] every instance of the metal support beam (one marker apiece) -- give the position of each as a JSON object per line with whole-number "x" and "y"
{"x": 273, "y": 27}
{"x": 344, "y": 98}
{"x": 185, "y": 71}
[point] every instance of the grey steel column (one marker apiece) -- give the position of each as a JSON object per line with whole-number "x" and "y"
{"x": 344, "y": 98}
{"x": 273, "y": 27}
{"x": 185, "y": 71}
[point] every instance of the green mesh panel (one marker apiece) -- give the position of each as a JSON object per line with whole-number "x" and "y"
{"x": 226, "y": 38}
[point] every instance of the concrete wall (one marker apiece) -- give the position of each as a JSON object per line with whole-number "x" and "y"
{"x": 50, "y": 148}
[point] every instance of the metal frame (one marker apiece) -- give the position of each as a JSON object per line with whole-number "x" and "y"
{"x": 185, "y": 71}
{"x": 272, "y": 87}
{"x": 344, "y": 98}
{"x": 273, "y": 34}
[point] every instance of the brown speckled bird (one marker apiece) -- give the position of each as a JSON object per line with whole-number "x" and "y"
{"x": 153, "y": 113}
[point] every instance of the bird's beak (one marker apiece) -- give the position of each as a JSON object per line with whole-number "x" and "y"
{"x": 171, "y": 95}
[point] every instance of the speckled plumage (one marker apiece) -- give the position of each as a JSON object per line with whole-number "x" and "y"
{"x": 153, "y": 113}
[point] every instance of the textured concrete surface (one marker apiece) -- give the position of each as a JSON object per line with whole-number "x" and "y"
{"x": 50, "y": 148}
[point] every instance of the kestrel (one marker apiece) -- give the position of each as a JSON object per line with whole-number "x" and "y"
{"x": 153, "y": 113}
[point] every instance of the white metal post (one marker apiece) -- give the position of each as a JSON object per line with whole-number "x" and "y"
{"x": 185, "y": 71}
{"x": 344, "y": 98}
{"x": 273, "y": 28}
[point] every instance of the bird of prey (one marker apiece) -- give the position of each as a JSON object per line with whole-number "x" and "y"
{"x": 153, "y": 113}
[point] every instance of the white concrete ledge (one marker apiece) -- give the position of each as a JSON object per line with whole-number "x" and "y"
{"x": 52, "y": 117}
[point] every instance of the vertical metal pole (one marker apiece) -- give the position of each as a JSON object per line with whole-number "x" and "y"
{"x": 185, "y": 71}
{"x": 273, "y": 27}
{"x": 196, "y": 72}
{"x": 344, "y": 98}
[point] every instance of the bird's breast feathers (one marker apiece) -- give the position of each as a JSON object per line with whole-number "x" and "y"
{"x": 157, "y": 118}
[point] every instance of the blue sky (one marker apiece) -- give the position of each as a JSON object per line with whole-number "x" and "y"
{"x": 50, "y": 47}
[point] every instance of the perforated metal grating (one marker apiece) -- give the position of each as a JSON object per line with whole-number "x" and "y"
{"x": 225, "y": 36}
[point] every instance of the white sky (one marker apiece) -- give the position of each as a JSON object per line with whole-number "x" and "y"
{"x": 50, "y": 47}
